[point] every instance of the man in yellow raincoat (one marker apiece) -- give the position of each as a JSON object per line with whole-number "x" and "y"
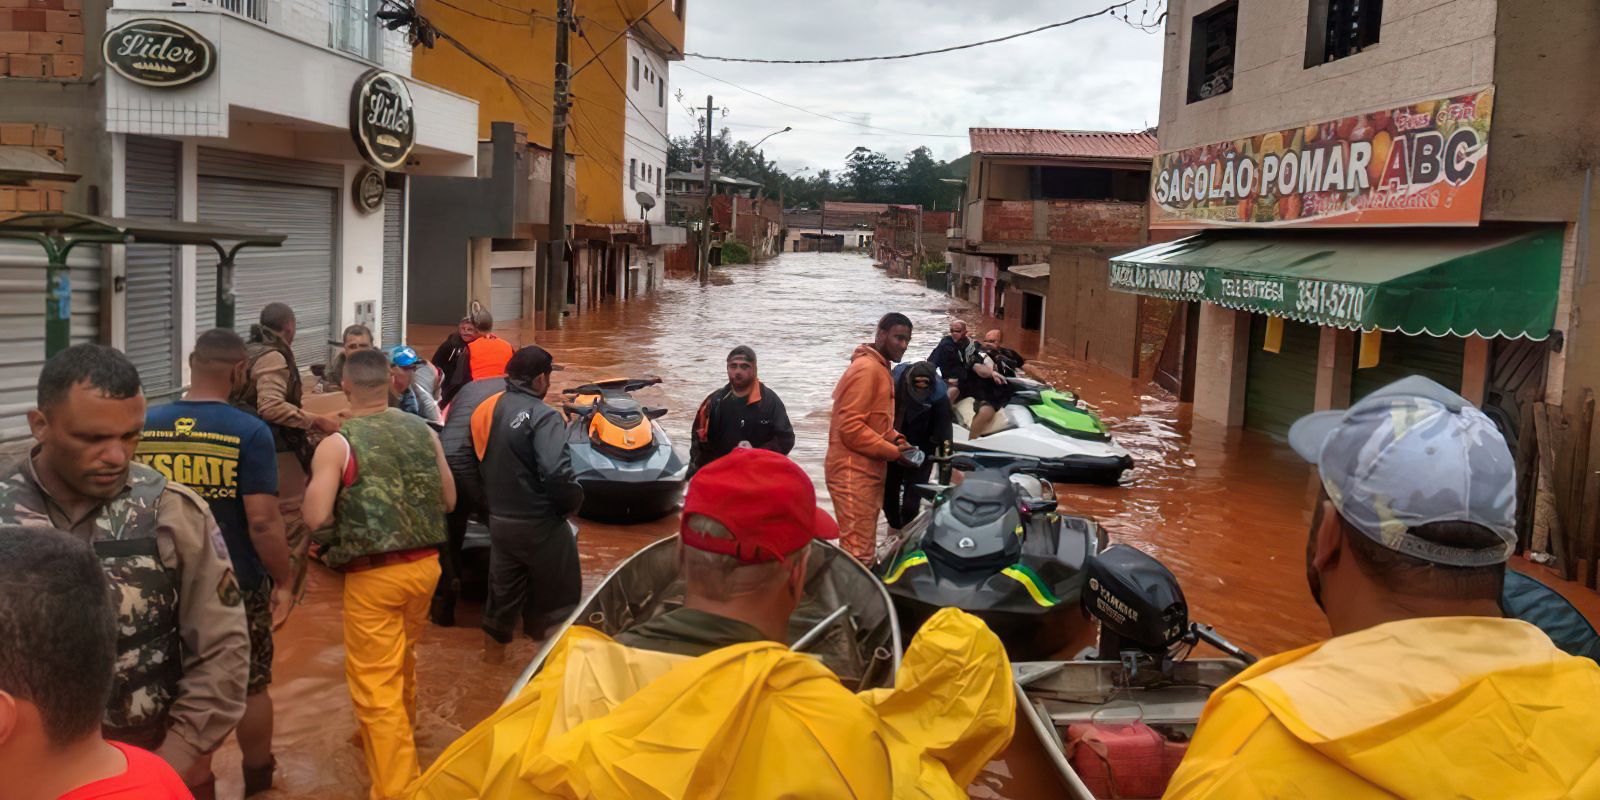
{"x": 1425, "y": 690}
{"x": 747, "y": 717}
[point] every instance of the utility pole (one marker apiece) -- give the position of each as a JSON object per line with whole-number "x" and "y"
{"x": 705, "y": 226}
{"x": 555, "y": 284}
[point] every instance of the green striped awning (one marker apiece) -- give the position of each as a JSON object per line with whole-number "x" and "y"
{"x": 1441, "y": 281}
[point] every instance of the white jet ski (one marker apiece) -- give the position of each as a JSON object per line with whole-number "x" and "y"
{"x": 1054, "y": 427}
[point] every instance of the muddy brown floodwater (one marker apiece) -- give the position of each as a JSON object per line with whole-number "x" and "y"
{"x": 1222, "y": 508}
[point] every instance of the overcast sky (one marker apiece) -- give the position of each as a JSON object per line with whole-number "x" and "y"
{"x": 1097, "y": 74}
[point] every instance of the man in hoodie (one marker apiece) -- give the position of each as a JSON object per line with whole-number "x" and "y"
{"x": 1425, "y": 690}
{"x": 743, "y": 413}
{"x": 922, "y": 414}
{"x": 861, "y": 436}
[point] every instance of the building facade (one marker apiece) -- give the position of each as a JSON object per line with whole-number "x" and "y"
{"x": 1043, "y": 212}
{"x": 1374, "y": 192}
{"x": 620, "y": 55}
{"x": 907, "y": 237}
{"x": 295, "y": 117}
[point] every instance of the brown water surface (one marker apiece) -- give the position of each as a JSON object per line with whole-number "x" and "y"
{"x": 1222, "y": 509}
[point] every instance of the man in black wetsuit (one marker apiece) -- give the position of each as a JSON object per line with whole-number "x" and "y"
{"x": 743, "y": 413}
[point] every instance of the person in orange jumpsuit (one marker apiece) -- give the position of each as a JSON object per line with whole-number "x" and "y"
{"x": 861, "y": 437}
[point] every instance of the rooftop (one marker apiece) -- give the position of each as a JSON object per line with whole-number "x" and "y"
{"x": 1110, "y": 145}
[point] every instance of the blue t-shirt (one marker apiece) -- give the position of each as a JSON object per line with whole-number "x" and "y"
{"x": 223, "y": 454}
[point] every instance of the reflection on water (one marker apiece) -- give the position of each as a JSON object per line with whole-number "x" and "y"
{"x": 1223, "y": 509}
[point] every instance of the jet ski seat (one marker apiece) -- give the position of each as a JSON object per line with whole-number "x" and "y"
{"x": 965, "y": 410}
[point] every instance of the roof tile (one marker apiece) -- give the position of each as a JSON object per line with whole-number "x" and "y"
{"x": 1139, "y": 145}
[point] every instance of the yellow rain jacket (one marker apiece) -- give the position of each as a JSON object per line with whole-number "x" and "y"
{"x": 1452, "y": 707}
{"x": 749, "y": 721}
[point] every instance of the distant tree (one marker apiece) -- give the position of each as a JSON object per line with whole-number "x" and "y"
{"x": 921, "y": 181}
{"x": 871, "y": 176}
{"x": 867, "y": 176}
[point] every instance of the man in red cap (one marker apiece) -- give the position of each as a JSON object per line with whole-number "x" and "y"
{"x": 747, "y": 523}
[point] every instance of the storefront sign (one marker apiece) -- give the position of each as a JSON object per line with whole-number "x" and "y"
{"x": 1325, "y": 302}
{"x": 382, "y": 119}
{"x": 368, "y": 190}
{"x": 158, "y": 53}
{"x": 1420, "y": 164}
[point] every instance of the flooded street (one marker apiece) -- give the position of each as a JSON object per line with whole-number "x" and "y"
{"x": 1222, "y": 509}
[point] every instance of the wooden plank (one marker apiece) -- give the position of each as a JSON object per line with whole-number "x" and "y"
{"x": 1544, "y": 490}
{"x": 1587, "y": 551}
{"x": 1577, "y": 514}
{"x": 1527, "y": 477}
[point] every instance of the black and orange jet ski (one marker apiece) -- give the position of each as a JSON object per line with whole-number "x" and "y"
{"x": 623, "y": 459}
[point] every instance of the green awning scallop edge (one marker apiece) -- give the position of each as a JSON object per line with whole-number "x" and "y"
{"x": 1441, "y": 282}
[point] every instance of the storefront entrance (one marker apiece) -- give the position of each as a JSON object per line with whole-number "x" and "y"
{"x": 1280, "y": 387}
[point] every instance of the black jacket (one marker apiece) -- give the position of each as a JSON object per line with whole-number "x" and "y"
{"x": 456, "y": 438}
{"x": 763, "y": 423}
{"x": 926, "y": 424}
{"x": 527, "y": 467}
{"x": 451, "y": 359}
{"x": 951, "y": 358}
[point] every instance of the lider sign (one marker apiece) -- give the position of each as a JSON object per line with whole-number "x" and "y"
{"x": 382, "y": 119}
{"x": 158, "y": 53}
{"x": 1419, "y": 164}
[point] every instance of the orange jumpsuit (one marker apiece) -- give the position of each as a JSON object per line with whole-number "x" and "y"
{"x": 861, "y": 443}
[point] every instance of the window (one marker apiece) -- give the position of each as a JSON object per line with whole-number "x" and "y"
{"x": 661, "y": 92}
{"x": 351, "y": 28}
{"x": 633, "y": 173}
{"x": 658, "y": 183}
{"x": 677, "y": 7}
{"x": 636, "y": 72}
{"x": 1339, "y": 28}
{"x": 1211, "y": 48}
{"x": 1083, "y": 183}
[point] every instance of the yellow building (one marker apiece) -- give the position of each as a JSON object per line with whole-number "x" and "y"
{"x": 620, "y": 38}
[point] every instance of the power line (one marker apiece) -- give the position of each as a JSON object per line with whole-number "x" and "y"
{"x": 820, "y": 114}
{"x": 625, "y": 28}
{"x": 1102, "y": 12}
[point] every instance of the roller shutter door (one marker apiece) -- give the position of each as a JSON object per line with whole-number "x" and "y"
{"x": 152, "y": 318}
{"x": 22, "y": 271}
{"x": 1281, "y": 387}
{"x": 294, "y": 198}
{"x": 1401, "y": 356}
{"x": 505, "y": 298}
{"x": 394, "y": 267}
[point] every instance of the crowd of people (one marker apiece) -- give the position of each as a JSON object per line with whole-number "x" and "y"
{"x": 148, "y": 553}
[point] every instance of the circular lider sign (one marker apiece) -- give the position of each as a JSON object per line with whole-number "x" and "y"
{"x": 155, "y": 52}
{"x": 382, "y": 119}
{"x": 368, "y": 190}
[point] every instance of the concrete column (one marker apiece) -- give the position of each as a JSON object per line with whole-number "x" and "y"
{"x": 1335, "y": 361}
{"x": 480, "y": 260}
{"x": 1475, "y": 370}
{"x": 1223, "y": 353}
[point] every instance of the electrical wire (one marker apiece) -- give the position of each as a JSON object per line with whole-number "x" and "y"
{"x": 627, "y": 27}
{"x": 469, "y": 12}
{"x": 1108, "y": 10}
{"x": 818, "y": 113}
{"x": 614, "y": 82}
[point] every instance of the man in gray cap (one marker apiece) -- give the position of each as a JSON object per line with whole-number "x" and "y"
{"x": 1425, "y": 690}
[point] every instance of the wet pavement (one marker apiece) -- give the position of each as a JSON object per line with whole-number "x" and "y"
{"x": 1223, "y": 509}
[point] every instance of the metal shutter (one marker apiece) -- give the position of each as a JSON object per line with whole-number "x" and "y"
{"x": 152, "y": 318}
{"x": 394, "y": 267}
{"x": 505, "y": 295}
{"x": 1401, "y": 356}
{"x": 299, "y": 273}
{"x": 1281, "y": 386}
{"x": 22, "y": 268}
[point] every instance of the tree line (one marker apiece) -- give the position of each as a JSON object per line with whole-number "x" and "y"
{"x": 866, "y": 176}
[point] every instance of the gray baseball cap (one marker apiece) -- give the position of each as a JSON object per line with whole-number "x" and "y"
{"x": 1410, "y": 454}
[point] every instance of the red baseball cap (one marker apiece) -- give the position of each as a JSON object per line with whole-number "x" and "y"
{"x": 764, "y": 499}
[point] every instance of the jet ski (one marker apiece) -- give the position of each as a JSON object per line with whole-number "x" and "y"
{"x": 1068, "y": 438}
{"x": 623, "y": 459}
{"x": 997, "y": 546}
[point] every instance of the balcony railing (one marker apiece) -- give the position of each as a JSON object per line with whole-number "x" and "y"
{"x": 254, "y": 9}
{"x": 351, "y": 28}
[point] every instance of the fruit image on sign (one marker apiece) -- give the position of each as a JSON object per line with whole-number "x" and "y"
{"x": 1419, "y": 164}
{"x": 382, "y": 119}
{"x": 158, "y": 53}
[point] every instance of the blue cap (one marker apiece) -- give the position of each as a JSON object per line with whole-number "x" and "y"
{"x": 403, "y": 356}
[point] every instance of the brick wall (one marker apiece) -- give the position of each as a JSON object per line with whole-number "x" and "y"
{"x": 41, "y": 39}
{"x": 38, "y": 195}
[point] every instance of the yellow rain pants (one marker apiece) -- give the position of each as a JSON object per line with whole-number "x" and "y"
{"x": 385, "y": 612}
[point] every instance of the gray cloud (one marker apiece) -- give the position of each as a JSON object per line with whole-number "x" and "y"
{"x": 1096, "y": 74}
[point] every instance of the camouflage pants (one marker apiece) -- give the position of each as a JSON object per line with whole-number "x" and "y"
{"x": 291, "y": 493}
{"x": 258, "y": 619}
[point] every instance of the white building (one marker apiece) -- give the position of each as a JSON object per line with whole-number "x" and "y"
{"x": 265, "y": 141}
{"x": 644, "y": 145}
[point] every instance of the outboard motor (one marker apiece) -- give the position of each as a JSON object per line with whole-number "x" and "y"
{"x": 1142, "y": 613}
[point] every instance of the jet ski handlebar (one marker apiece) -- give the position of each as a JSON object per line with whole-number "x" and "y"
{"x": 613, "y": 385}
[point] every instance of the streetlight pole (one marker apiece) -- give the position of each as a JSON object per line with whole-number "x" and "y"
{"x": 769, "y": 136}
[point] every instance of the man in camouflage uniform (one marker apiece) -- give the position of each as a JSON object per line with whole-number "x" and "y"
{"x": 183, "y": 653}
{"x": 272, "y": 391}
